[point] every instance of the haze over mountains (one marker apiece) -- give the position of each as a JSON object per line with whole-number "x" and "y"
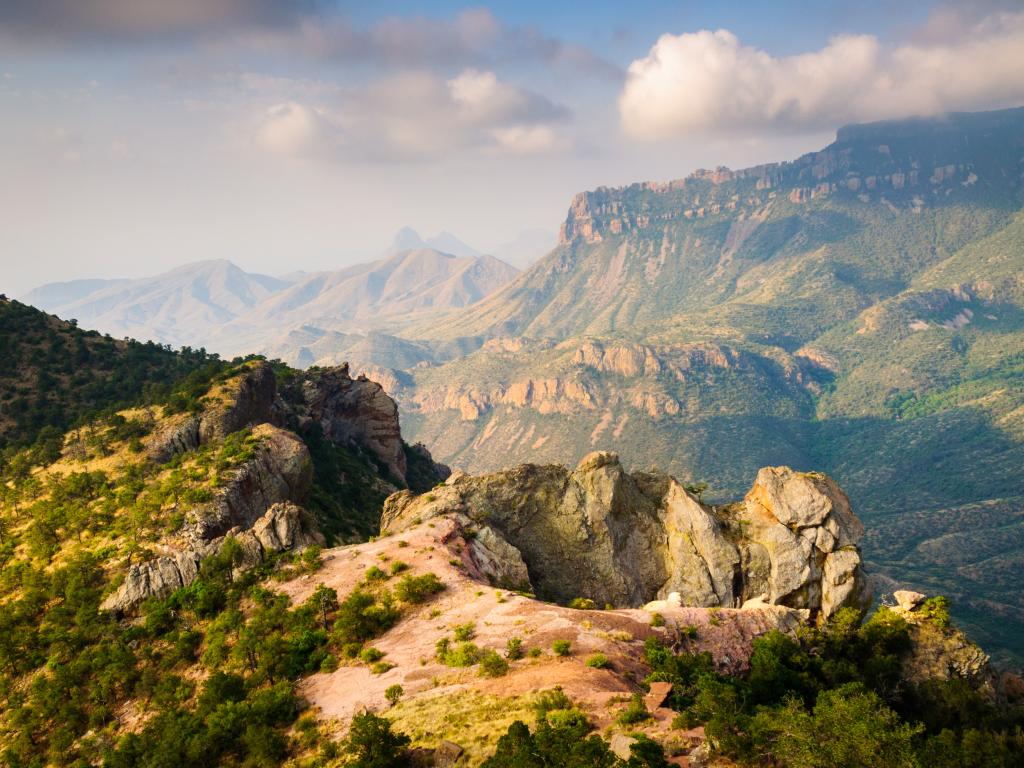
{"x": 217, "y": 305}
{"x": 858, "y": 310}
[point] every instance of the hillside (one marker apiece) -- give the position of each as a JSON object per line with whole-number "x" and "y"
{"x": 858, "y": 309}
{"x": 54, "y": 374}
{"x": 194, "y": 579}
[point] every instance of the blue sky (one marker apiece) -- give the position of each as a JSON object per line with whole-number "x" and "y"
{"x": 296, "y": 134}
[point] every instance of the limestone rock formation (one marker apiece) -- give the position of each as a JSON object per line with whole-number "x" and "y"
{"x": 351, "y": 411}
{"x": 625, "y": 539}
{"x": 257, "y": 504}
{"x": 254, "y": 507}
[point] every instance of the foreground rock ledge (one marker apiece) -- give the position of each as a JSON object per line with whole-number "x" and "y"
{"x": 625, "y": 539}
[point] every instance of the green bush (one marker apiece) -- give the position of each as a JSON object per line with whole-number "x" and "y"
{"x": 393, "y": 694}
{"x": 418, "y": 589}
{"x": 635, "y": 712}
{"x": 562, "y": 647}
{"x": 598, "y": 661}
{"x": 465, "y": 632}
{"x": 371, "y": 743}
{"x": 514, "y": 648}
{"x": 583, "y": 604}
{"x": 492, "y": 664}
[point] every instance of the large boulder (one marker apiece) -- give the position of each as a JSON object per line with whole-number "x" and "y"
{"x": 626, "y": 539}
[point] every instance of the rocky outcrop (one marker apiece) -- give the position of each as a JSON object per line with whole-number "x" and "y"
{"x": 354, "y": 411}
{"x": 255, "y": 507}
{"x": 938, "y": 650}
{"x": 281, "y": 470}
{"x": 283, "y": 527}
{"x": 602, "y": 533}
{"x": 242, "y": 401}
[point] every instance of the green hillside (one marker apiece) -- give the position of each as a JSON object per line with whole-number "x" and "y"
{"x": 859, "y": 310}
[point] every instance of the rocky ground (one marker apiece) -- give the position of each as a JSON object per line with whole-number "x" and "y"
{"x": 460, "y": 705}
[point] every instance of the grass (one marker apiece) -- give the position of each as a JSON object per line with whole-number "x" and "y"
{"x": 474, "y": 721}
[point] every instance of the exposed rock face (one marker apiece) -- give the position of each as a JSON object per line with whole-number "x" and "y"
{"x": 253, "y": 507}
{"x": 601, "y": 533}
{"x": 351, "y": 411}
{"x": 940, "y": 651}
{"x": 281, "y": 528}
{"x": 280, "y": 471}
{"x": 242, "y": 401}
{"x": 257, "y": 506}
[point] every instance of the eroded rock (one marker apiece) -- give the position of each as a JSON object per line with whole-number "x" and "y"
{"x": 602, "y": 533}
{"x": 281, "y": 528}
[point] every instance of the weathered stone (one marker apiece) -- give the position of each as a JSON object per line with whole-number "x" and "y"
{"x": 242, "y": 401}
{"x": 354, "y": 411}
{"x": 447, "y": 754}
{"x": 600, "y": 533}
{"x": 907, "y": 599}
{"x": 620, "y": 745}
{"x": 657, "y": 695}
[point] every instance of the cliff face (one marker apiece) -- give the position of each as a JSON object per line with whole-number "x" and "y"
{"x": 258, "y": 502}
{"x": 626, "y": 539}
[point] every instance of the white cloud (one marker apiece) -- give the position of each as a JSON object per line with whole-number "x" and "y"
{"x": 528, "y": 139}
{"x": 296, "y": 130}
{"x": 707, "y": 81}
{"x": 412, "y": 115}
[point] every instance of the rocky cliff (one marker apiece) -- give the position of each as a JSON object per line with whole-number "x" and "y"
{"x": 259, "y": 501}
{"x": 624, "y": 539}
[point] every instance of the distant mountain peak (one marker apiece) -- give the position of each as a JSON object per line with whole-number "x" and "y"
{"x": 405, "y": 239}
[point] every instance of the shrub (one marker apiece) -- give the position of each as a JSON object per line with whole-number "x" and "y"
{"x": 464, "y": 655}
{"x": 598, "y": 661}
{"x": 370, "y": 655}
{"x": 393, "y": 694}
{"x": 465, "y": 632}
{"x": 418, "y": 589}
{"x": 514, "y": 648}
{"x": 534, "y": 653}
{"x": 562, "y": 647}
{"x": 548, "y": 701}
{"x": 398, "y": 567}
{"x": 635, "y": 711}
{"x": 583, "y": 604}
{"x": 381, "y": 667}
{"x": 492, "y": 664}
{"x": 657, "y": 620}
{"x": 361, "y": 616}
{"x": 936, "y": 611}
{"x": 373, "y": 573}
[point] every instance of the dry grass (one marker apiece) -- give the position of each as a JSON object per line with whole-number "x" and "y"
{"x": 472, "y": 720}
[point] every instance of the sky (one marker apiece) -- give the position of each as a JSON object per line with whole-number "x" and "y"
{"x": 139, "y": 135}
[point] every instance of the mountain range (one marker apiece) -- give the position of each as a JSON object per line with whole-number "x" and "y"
{"x": 305, "y": 317}
{"x": 859, "y": 309}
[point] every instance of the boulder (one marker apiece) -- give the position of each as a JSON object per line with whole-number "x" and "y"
{"x": 627, "y": 539}
{"x": 907, "y": 599}
{"x": 620, "y": 745}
